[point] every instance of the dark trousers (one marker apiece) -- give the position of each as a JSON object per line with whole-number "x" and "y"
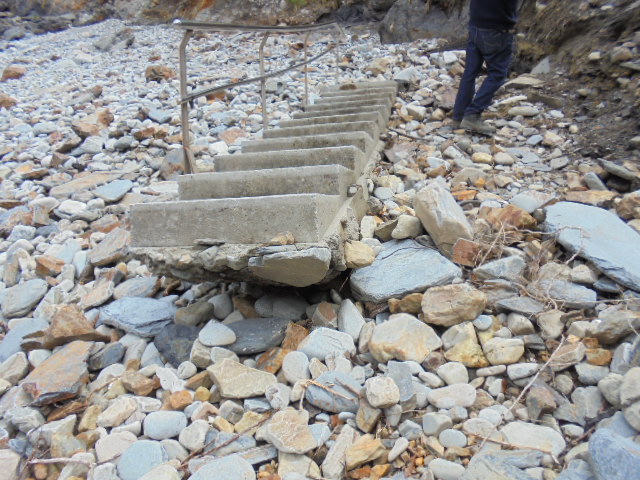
{"x": 493, "y": 47}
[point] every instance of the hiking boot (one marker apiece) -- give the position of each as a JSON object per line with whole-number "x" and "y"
{"x": 473, "y": 123}
{"x": 455, "y": 124}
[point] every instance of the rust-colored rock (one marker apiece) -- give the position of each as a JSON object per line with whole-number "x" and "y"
{"x": 112, "y": 249}
{"x": 245, "y": 306}
{"x": 201, "y": 379}
{"x": 13, "y": 72}
{"x": 6, "y": 101}
{"x": 412, "y": 303}
{"x": 508, "y": 218}
{"x": 467, "y": 252}
{"x": 271, "y": 360}
{"x": 48, "y": 266}
{"x": 138, "y": 384}
{"x": 60, "y": 376}
{"x": 599, "y": 356}
{"x": 180, "y": 400}
{"x": 293, "y": 336}
{"x": 157, "y": 73}
{"x": 231, "y": 135}
{"x": 597, "y": 198}
{"x": 67, "y": 325}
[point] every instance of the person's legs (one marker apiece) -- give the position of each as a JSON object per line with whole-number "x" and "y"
{"x": 496, "y": 48}
{"x": 472, "y": 68}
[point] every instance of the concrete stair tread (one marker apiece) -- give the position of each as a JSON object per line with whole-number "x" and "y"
{"x": 360, "y": 97}
{"x": 321, "y": 105}
{"x": 324, "y": 179}
{"x": 382, "y": 91}
{"x": 348, "y": 156}
{"x": 353, "y": 86}
{"x": 370, "y": 127}
{"x": 358, "y": 139}
{"x": 383, "y": 110}
{"x": 353, "y": 117}
{"x": 245, "y": 220}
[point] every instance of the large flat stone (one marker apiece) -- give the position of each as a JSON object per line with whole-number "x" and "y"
{"x": 600, "y": 237}
{"x": 145, "y": 317}
{"x": 256, "y": 335}
{"x": 339, "y": 395}
{"x": 402, "y": 267}
{"x": 235, "y": 380}
{"x": 60, "y": 376}
{"x": 20, "y": 299}
{"x": 614, "y": 457}
{"x": 11, "y": 342}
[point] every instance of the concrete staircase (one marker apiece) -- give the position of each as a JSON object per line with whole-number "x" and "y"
{"x": 306, "y": 178}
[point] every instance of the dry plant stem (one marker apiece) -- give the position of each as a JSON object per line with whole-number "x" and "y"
{"x": 513, "y": 445}
{"x": 228, "y": 442}
{"x": 524, "y": 390}
{"x": 48, "y": 461}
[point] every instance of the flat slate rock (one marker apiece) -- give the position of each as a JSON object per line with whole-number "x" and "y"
{"x": 145, "y": 317}
{"x": 336, "y": 398}
{"x": 599, "y": 236}
{"x": 256, "y": 335}
{"x": 60, "y": 376}
{"x": 174, "y": 342}
{"x": 402, "y": 267}
{"x": 20, "y": 299}
{"x": 141, "y": 458}
{"x": 614, "y": 457}
{"x": 113, "y": 191}
{"x": 11, "y": 342}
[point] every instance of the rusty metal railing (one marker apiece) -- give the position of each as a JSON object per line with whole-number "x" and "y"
{"x": 186, "y": 97}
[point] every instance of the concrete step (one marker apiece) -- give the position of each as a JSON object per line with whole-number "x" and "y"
{"x": 360, "y": 140}
{"x": 352, "y": 117}
{"x": 331, "y": 107}
{"x": 348, "y": 156}
{"x": 322, "y": 129}
{"x": 247, "y": 220}
{"x": 384, "y": 91}
{"x": 324, "y": 179}
{"x": 349, "y": 87}
{"x": 341, "y": 102}
{"x": 381, "y": 109}
{"x": 361, "y": 96}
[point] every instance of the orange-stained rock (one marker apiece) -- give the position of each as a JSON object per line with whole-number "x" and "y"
{"x": 466, "y": 252}
{"x": 111, "y": 249}
{"x": 597, "y": 198}
{"x": 599, "y": 356}
{"x": 232, "y": 134}
{"x": 271, "y": 360}
{"x": 13, "y": 72}
{"x": 68, "y": 324}
{"x": 157, "y": 73}
{"x": 138, "y": 384}
{"x": 6, "y": 101}
{"x": 180, "y": 400}
{"x": 60, "y": 376}
{"x": 48, "y": 266}
{"x": 412, "y": 303}
{"x": 293, "y": 336}
{"x": 201, "y": 379}
{"x": 245, "y": 306}
{"x": 509, "y": 217}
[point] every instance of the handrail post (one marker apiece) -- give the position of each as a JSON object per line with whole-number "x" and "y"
{"x": 306, "y": 70}
{"x": 263, "y": 84}
{"x": 188, "y": 162}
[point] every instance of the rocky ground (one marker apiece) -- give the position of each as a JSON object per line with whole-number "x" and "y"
{"x": 489, "y": 329}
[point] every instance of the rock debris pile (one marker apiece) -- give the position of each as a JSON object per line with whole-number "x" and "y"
{"x": 490, "y": 330}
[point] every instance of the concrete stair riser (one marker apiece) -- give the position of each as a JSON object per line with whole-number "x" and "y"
{"x": 329, "y": 107}
{"x": 381, "y": 109}
{"x": 248, "y": 220}
{"x": 353, "y": 117}
{"x": 360, "y": 140}
{"x": 348, "y": 156}
{"x": 371, "y": 128}
{"x": 324, "y": 179}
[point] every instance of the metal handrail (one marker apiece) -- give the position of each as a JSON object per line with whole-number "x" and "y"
{"x": 186, "y": 97}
